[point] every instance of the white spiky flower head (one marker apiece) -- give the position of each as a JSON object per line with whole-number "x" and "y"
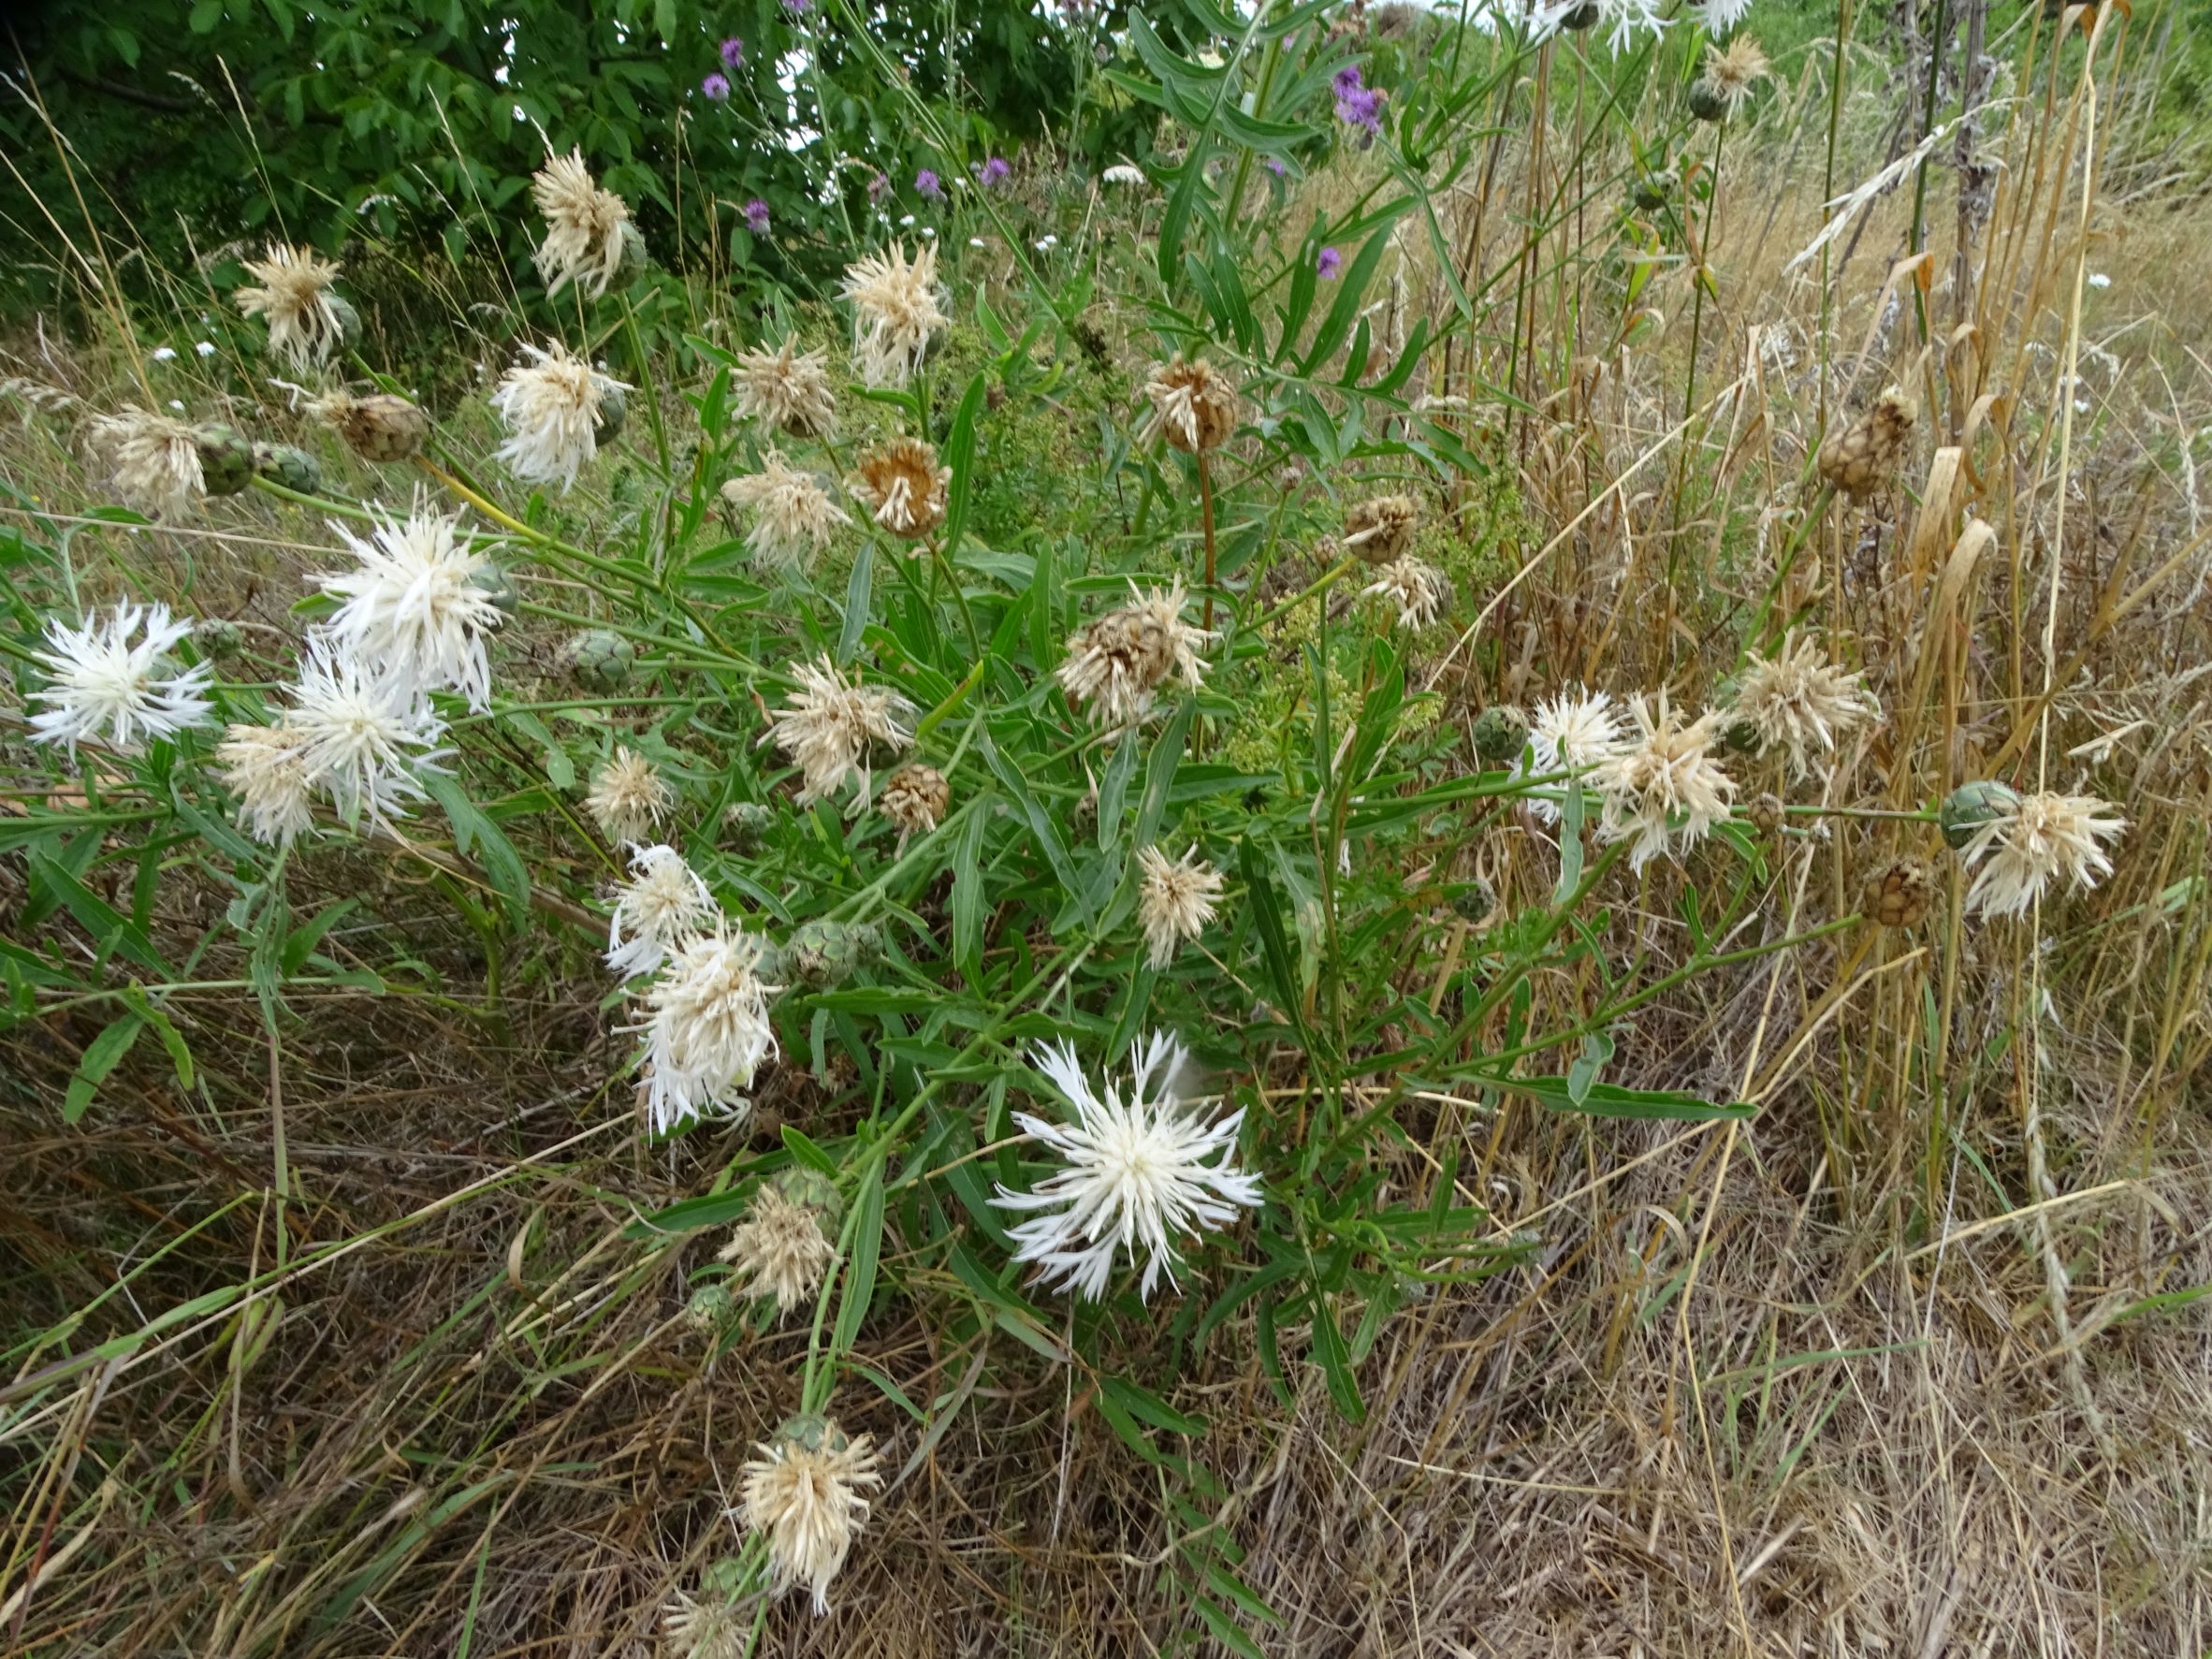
{"x": 553, "y": 407}
{"x": 2034, "y": 840}
{"x": 661, "y": 905}
{"x": 113, "y": 680}
{"x": 586, "y": 226}
{"x": 787, "y": 389}
{"x": 266, "y": 768}
{"x": 628, "y": 798}
{"x": 896, "y": 313}
{"x": 414, "y": 609}
{"x": 362, "y": 738}
{"x": 1136, "y": 1173}
{"x": 1418, "y": 590}
{"x": 1662, "y": 792}
{"x": 793, "y": 516}
{"x": 830, "y": 727}
{"x": 152, "y": 460}
{"x": 1800, "y": 702}
{"x": 706, "y": 1027}
{"x": 711, "y": 1626}
{"x": 1630, "y": 17}
{"x": 1573, "y": 731}
{"x": 292, "y": 295}
{"x": 779, "y": 1249}
{"x": 1115, "y": 662}
{"x": 802, "y": 1493}
{"x": 1719, "y": 16}
{"x": 1175, "y": 900}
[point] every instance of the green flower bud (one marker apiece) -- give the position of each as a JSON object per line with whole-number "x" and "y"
{"x": 1708, "y": 102}
{"x": 499, "y": 585}
{"x": 1475, "y": 901}
{"x": 599, "y": 659}
{"x": 1971, "y": 806}
{"x": 711, "y": 1307}
{"x": 218, "y": 637}
{"x": 823, "y": 954}
{"x": 349, "y": 320}
{"x": 226, "y": 459}
{"x": 812, "y": 1431}
{"x": 810, "y": 1189}
{"x": 293, "y": 468}
{"x": 614, "y": 409}
{"x": 747, "y": 823}
{"x": 1501, "y": 733}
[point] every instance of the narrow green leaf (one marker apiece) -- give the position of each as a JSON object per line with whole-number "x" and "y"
{"x": 1608, "y": 1100}
{"x": 102, "y": 1055}
{"x": 867, "y": 1243}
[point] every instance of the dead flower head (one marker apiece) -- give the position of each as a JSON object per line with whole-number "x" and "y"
{"x": 904, "y": 486}
{"x": 1382, "y": 529}
{"x": 1194, "y": 405}
{"x": 830, "y": 727}
{"x": 803, "y": 1492}
{"x": 2031, "y": 842}
{"x": 1175, "y": 900}
{"x": 305, "y": 321}
{"x": 896, "y": 313}
{"x": 587, "y": 229}
{"x": 792, "y": 514}
{"x": 787, "y": 389}
{"x": 1861, "y": 457}
{"x": 1115, "y": 661}
{"x": 153, "y": 460}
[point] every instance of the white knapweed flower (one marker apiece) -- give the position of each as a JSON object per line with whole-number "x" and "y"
{"x": 1175, "y": 900}
{"x": 1134, "y": 1172}
{"x": 1630, "y": 17}
{"x": 1719, "y": 16}
{"x": 1664, "y": 792}
{"x": 291, "y": 294}
{"x": 828, "y": 729}
{"x": 787, "y": 389}
{"x": 793, "y": 516}
{"x": 706, "y": 1027}
{"x": 896, "y": 313}
{"x": 708, "y": 1627}
{"x": 152, "y": 460}
{"x": 362, "y": 738}
{"x": 412, "y": 609}
{"x": 2041, "y": 838}
{"x": 779, "y": 1250}
{"x": 661, "y": 905}
{"x": 1418, "y": 590}
{"x": 1572, "y": 732}
{"x": 628, "y": 797}
{"x": 113, "y": 680}
{"x": 1115, "y": 662}
{"x": 266, "y": 768}
{"x": 585, "y": 225}
{"x": 803, "y": 1492}
{"x": 1800, "y": 702}
{"x": 1122, "y": 172}
{"x": 551, "y": 406}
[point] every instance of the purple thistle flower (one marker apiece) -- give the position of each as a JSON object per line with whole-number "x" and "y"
{"x": 1328, "y": 265}
{"x": 756, "y": 216}
{"x": 797, "y": 7}
{"x": 995, "y": 171}
{"x": 1276, "y": 166}
{"x": 1357, "y": 104}
{"x": 929, "y": 184}
{"x": 733, "y": 52}
{"x": 715, "y": 87}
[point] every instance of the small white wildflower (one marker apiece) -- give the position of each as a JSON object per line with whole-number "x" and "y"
{"x": 552, "y": 407}
{"x": 206, "y": 348}
{"x": 664, "y": 904}
{"x": 102, "y": 683}
{"x": 829, "y": 727}
{"x": 1133, "y": 1174}
{"x": 2039, "y": 837}
{"x": 1122, "y": 172}
{"x": 2098, "y": 280}
{"x": 414, "y": 610}
{"x": 266, "y": 768}
{"x": 794, "y": 515}
{"x": 585, "y": 226}
{"x": 1799, "y": 701}
{"x": 896, "y": 313}
{"x": 1665, "y": 792}
{"x": 165, "y": 354}
{"x": 1574, "y": 732}
{"x": 1046, "y": 244}
{"x": 975, "y": 241}
{"x": 1418, "y": 589}
{"x": 706, "y": 1027}
{"x": 802, "y": 1493}
{"x": 362, "y": 738}
{"x": 1175, "y": 900}
{"x": 779, "y": 1250}
{"x": 1719, "y": 16}
{"x": 628, "y": 797}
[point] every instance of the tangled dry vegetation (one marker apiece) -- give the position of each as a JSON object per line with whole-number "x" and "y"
{"x": 1909, "y": 1363}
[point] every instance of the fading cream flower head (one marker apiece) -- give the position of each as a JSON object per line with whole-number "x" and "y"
{"x": 304, "y": 325}
{"x": 413, "y": 608}
{"x": 828, "y": 728}
{"x": 1665, "y": 792}
{"x": 153, "y": 460}
{"x": 1574, "y": 732}
{"x": 378, "y": 426}
{"x": 2033, "y": 841}
{"x": 916, "y": 798}
{"x": 904, "y": 486}
{"x": 266, "y": 768}
{"x": 779, "y": 1249}
{"x": 664, "y": 904}
{"x": 793, "y": 516}
{"x": 787, "y": 389}
{"x": 896, "y": 313}
{"x": 585, "y": 227}
{"x": 1175, "y": 900}
{"x": 1115, "y": 662}
{"x": 1134, "y": 1173}
{"x": 1800, "y": 702}
{"x": 628, "y": 797}
{"x": 1194, "y": 404}
{"x": 706, "y": 1027}
{"x": 1733, "y": 70}
{"x": 553, "y": 407}
{"x": 1381, "y": 527}
{"x": 1420, "y": 590}
{"x": 113, "y": 680}
{"x": 707, "y": 1627}
{"x": 362, "y": 738}
{"x": 803, "y": 1492}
